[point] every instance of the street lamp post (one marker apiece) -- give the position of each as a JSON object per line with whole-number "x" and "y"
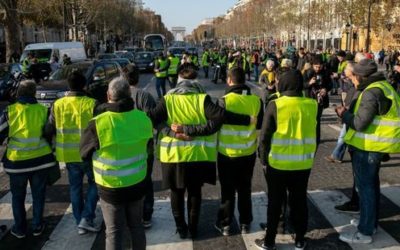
{"x": 370, "y": 2}
{"x": 348, "y": 27}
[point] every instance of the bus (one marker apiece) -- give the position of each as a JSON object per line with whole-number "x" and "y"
{"x": 156, "y": 43}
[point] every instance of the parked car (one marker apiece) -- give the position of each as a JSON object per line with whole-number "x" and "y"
{"x": 106, "y": 56}
{"x": 193, "y": 50}
{"x": 123, "y": 62}
{"x": 125, "y": 54}
{"x": 97, "y": 73}
{"x": 144, "y": 61}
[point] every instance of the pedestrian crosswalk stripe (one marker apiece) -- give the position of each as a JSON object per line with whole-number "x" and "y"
{"x": 392, "y": 193}
{"x": 65, "y": 236}
{"x": 326, "y": 200}
{"x": 6, "y": 215}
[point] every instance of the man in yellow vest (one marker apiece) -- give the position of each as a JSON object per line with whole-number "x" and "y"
{"x": 187, "y": 165}
{"x": 28, "y": 157}
{"x": 205, "y": 62}
{"x": 116, "y": 141}
{"x": 69, "y": 116}
{"x": 161, "y": 72}
{"x": 286, "y": 149}
{"x": 237, "y": 153}
{"x": 373, "y": 122}
{"x": 174, "y": 64}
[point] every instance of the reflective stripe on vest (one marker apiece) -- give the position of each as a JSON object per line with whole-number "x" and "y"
{"x": 25, "y": 170}
{"x": 383, "y": 134}
{"x": 235, "y": 140}
{"x": 26, "y": 122}
{"x": 122, "y": 157}
{"x": 294, "y": 142}
{"x": 162, "y": 63}
{"x": 189, "y": 110}
{"x": 173, "y": 67}
{"x": 72, "y": 115}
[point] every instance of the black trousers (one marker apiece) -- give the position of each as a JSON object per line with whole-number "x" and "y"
{"x": 148, "y": 203}
{"x": 319, "y": 117}
{"x": 295, "y": 183}
{"x": 235, "y": 175}
{"x": 193, "y": 206}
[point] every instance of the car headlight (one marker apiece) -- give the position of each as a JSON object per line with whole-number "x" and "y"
{"x": 61, "y": 94}
{"x": 151, "y": 64}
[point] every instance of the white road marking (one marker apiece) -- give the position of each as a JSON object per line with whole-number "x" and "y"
{"x": 335, "y": 127}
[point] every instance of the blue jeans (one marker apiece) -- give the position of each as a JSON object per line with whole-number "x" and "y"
{"x": 160, "y": 87}
{"x": 340, "y": 149}
{"x": 82, "y": 208}
{"x": 366, "y": 167}
{"x": 256, "y": 73}
{"x": 18, "y": 185}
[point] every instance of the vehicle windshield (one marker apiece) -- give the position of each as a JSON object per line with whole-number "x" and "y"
{"x": 63, "y": 73}
{"x": 177, "y": 51}
{"x": 43, "y": 55}
{"x": 143, "y": 56}
{"x": 154, "y": 43}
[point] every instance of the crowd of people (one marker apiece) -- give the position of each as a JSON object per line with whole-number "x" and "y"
{"x": 113, "y": 145}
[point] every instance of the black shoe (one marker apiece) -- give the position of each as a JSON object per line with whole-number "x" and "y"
{"x": 16, "y": 234}
{"x": 244, "y": 228}
{"x": 260, "y": 245}
{"x": 300, "y": 245}
{"x": 39, "y": 230}
{"x": 224, "y": 230}
{"x": 193, "y": 233}
{"x": 263, "y": 226}
{"x": 348, "y": 207}
{"x": 183, "y": 232}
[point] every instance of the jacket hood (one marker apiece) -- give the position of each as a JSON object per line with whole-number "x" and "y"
{"x": 375, "y": 77}
{"x": 290, "y": 82}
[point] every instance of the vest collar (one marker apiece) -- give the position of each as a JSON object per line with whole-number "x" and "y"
{"x": 238, "y": 89}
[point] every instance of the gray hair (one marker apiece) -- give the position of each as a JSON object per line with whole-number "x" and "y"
{"x": 359, "y": 56}
{"x": 270, "y": 63}
{"x": 26, "y": 88}
{"x": 118, "y": 89}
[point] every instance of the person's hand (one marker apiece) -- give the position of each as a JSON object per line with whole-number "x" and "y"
{"x": 397, "y": 68}
{"x": 335, "y": 75}
{"x": 183, "y": 137}
{"x": 177, "y": 128}
{"x": 253, "y": 120}
{"x": 313, "y": 81}
{"x": 323, "y": 92}
{"x": 340, "y": 111}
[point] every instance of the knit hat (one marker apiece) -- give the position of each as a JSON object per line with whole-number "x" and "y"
{"x": 341, "y": 53}
{"x": 290, "y": 80}
{"x": 365, "y": 68}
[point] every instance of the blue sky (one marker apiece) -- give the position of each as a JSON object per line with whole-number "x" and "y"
{"x": 188, "y": 13}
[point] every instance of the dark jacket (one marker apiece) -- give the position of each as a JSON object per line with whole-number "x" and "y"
{"x": 4, "y": 133}
{"x": 312, "y": 91}
{"x": 373, "y": 103}
{"x": 333, "y": 64}
{"x": 90, "y": 143}
{"x": 301, "y": 61}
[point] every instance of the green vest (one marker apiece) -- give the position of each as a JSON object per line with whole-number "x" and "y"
{"x": 294, "y": 142}
{"x": 189, "y": 110}
{"x": 25, "y": 65}
{"x": 173, "y": 66}
{"x": 72, "y": 116}
{"x": 383, "y": 134}
{"x": 205, "y": 59}
{"x": 222, "y": 60}
{"x": 163, "y": 71}
{"x": 342, "y": 67}
{"x": 121, "y": 160}
{"x": 26, "y": 123}
{"x": 235, "y": 140}
{"x": 194, "y": 60}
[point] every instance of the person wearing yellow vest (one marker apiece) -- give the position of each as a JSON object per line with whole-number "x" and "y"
{"x": 116, "y": 142}
{"x": 69, "y": 116}
{"x": 174, "y": 64}
{"x": 237, "y": 153}
{"x": 205, "y": 62}
{"x": 28, "y": 157}
{"x": 373, "y": 130}
{"x": 187, "y": 165}
{"x": 161, "y": 67}
{"x": 286, "y": 149}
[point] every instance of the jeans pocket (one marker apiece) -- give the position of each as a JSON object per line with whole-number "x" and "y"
{"x": 374, "y": 158}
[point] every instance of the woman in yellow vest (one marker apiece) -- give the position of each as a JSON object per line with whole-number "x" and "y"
{"x": 286, "y": 148}
{"x": 373, "y": 122}
{"x": 116, "y": 142}
{"x": 28, "y": 157}
{"x": 187, "y": 165}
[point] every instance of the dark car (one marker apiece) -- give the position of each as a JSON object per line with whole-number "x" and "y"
{"x": 144, "y": 61}
{"x": 7, "y": 84}
{"x": 98, "y": 75}
{"x": 107, "y": 56}
{"x": 177, "y": 51}
{"x": 126, "y": 55}
{"x": 123, "y": 62}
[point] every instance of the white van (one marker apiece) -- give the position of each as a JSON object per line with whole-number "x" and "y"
{"x": 45, "y": 51}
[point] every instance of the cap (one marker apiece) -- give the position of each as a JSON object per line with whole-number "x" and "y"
{"x": 365, "y": 68}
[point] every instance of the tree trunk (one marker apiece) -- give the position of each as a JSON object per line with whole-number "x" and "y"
{"x": 12, "y": 31}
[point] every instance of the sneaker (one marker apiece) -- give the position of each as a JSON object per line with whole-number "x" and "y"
{"x": 331, "y": 159}
{"x": 355, "y": 222}
{"x": 39, "y": 230}
{"x": 88, "y": 225}
{"x": 260, "y": 245}
{"x": 82, "y": 231}
{"x": 348, "y": 207}
{"x": 18, "y": 235}
{"x": 244, "y": 228}
{"x": 147, "y": 224}
{"x": 224, "y": 230}
{"x": 356, "y": 238}
{"x": 300, "y": 245}
{"x": 263, "y": 226}
{"x": 183, "y": 232}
